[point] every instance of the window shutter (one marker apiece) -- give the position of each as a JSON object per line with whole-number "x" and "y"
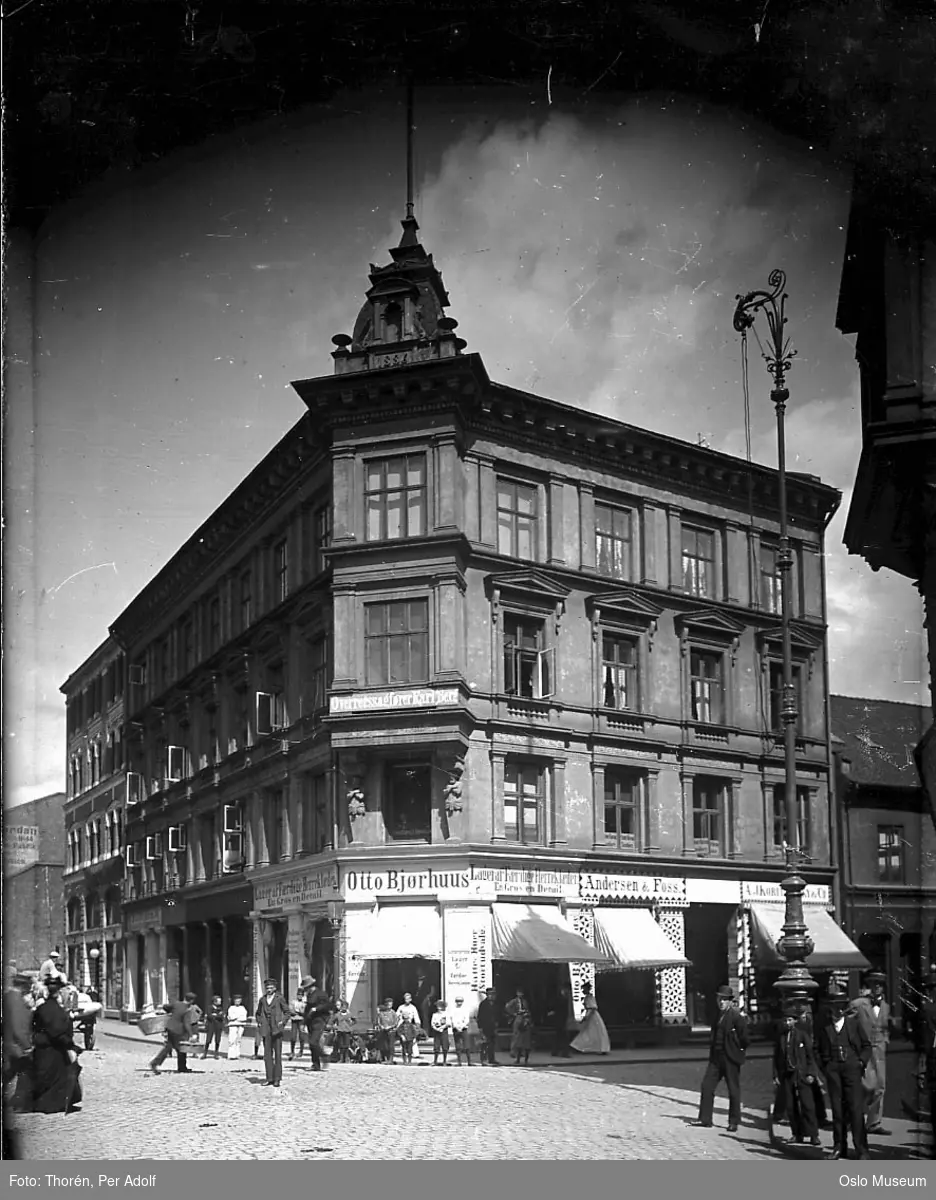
{"x": 265, "y": 702}
{"x": 546, "y": 673}
{"x": 175, "y": 764}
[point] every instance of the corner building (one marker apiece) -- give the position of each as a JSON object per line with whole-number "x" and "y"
{"x": 465, "y": 685}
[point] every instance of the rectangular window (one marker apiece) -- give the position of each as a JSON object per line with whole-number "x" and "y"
{"x": 802, "y": 817}
{"x": 707, "y": 672}
{"x": 165, "y": 662}
{"x": 187, "y": 645}
{"x": 280, "y": 571}
{"x": 776, "y": 696}
{"x": 270, "y": 713}
{"x": 622, "y": 810}
{"x": 770, "y": 579}
{"x": 245, "y": 587}
{"x": 708, "y": 816}
{"x": 315, "y": 833}
{"x": 524, "y": 802}
{"x": 529, "y": 665}
{"x": 613, "y": 541}
{"x": 698, "y": 561}
{"x": 619, "y": 672}
{"x": 396, "y": 642}
{"x": 214, "y": 623}
{"x": 891, "y": 858}
{"x": 516, "y": 519}
{"x": 318, "y": 655}
{"x": 321, "y": 536}
{"x": 395, "y": 497}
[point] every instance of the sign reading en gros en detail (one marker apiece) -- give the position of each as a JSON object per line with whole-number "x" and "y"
{"x": 303, "y": 888}
{"x": 412, "y": 698}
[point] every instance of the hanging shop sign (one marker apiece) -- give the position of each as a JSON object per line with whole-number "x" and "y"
{"x": 527, "y": 881}
{"x": 297, "y": 889}
{"x": 411, "y": 698}
{"x": 597, "y": 886}
{"x": 772, "y": 893}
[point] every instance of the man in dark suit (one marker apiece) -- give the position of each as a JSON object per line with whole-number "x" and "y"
{"x": 726, "y": 1058}
{"x": 926, "y": 1048}
{"x": 180, "y": 1027}
{"x": 844, "y": 1052}
{"x": 318, "y": 1008}
{"x": 487, "y": 1026}
{"x": 795, "y": 1072}
{"x": 273, "y": 1016}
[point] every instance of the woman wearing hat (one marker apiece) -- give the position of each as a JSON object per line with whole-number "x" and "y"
{"x": 844, "y": 1052}
{"x": 56, "y": 1088}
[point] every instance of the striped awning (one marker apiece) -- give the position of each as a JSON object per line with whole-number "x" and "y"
{"x": 538, "y": 933}
{"x": 834, "y": 951}
{"x": 634, "y": 941}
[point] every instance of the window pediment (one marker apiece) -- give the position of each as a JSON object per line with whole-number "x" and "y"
{"x": 803, "y": 640}
{"x": 627, "y": 603}
{"x": 530, "y": 585}
{"x": 709, "y": 622}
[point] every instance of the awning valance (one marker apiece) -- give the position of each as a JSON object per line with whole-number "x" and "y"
{"x": 401, "y": 931}
{"x": 538, "y": 933}
{"x": 632, "y": 939}
{"x": 834, "y": 951}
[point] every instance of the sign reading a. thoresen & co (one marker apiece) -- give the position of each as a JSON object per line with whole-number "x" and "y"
{"x": 412, "y": 698}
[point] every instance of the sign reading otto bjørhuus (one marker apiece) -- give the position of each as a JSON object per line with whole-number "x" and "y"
{"x": 20, "y": 848}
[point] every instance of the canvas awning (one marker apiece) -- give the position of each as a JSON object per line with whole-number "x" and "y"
{"x": 401, "y": 931}
{"x": 834, "y": 951}
{"x": 633, "y": 940}
{"x": 538, "y": 933}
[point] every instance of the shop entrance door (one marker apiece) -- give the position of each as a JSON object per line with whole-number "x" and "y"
{"x": 408, "y": 813}
{"x": 707, "y": 951}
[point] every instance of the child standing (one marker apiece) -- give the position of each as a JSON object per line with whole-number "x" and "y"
{"x": 236, "y": 1022}
{"x": 297, "y": 1031}
{"x": 461, "y": 1021}
{"x": 387, "y": 1022}
{"x": 343, "y": 1024}
{"x": 441, "y": 1022}
{"x": 214, "y": 1026}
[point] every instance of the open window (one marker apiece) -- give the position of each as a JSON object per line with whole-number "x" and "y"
{"x": 153, "y": 846}
{"x": 270, "y": 712}
{"x": 137, "y": 674}
{"x": 178, "y": 839}
{"x": 175, "y": 763}
{"x": 132, "y": 854}
{"x": 529, "y": 664}
{"x": 233, "y": 818}
{"x": 134, "y": 787}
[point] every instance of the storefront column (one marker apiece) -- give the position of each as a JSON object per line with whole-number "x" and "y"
{"x": 671, "y": 981}
{"x": 740, "y": 952}
{"x": 161, "y": 940}
{"x": 131, "y": 966}
{"x": 685, "y": 787}
{"x": 583, "y": 922}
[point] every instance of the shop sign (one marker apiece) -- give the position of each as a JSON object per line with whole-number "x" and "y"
{"x": 412, "y": 698}
{"x": 466, "y": 953}
{"x": 304, "y": 887}
{"x": 772, "y": 893}
{"x": 517, "y": 881}
{"x": 402, "y": 881}
{"x": 20, "y": 847}
{"x": 607, "y": 885}
{"x": 143, "y": 918}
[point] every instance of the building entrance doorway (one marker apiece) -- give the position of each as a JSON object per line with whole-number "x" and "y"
{"x": 707, "y": 951}
{"x": 421, "y": 977}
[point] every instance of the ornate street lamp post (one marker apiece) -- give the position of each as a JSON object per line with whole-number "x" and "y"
{"x": 795, "y": 946}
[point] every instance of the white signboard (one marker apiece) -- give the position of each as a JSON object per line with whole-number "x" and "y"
{"x": 772, "y": 893}
{"x": 20, "y": 847}
{"x": 370, "y": 701}
{"x": 301, "y": 887}
{"x": 522, "y": 881}
{"x": 404, "y": 881}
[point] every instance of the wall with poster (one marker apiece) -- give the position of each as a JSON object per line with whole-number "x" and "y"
{"x": 466, "y": 966}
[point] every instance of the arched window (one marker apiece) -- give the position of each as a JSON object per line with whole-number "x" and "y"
{"x": 74, "y": 915}
{"x": 393, "y": 322}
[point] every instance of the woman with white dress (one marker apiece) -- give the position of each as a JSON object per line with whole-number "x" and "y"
{"x": 592, "y": 1038}
{"x": 236, "y": 1023}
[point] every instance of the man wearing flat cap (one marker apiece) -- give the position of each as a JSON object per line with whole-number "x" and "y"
{"x": 273, "y": 1016}
{"x": 726, "y": 1057}
{"x": 873, "y": 1013}
{"x": 844, "y": 1052}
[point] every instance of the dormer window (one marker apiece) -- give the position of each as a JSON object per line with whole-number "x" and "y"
{"x": 393, "y": 322}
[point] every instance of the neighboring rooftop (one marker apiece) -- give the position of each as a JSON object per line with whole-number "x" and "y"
{"x": 879, "y": 737}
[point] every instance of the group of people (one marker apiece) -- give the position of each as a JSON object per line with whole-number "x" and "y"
{"x": 845, "y": 1045}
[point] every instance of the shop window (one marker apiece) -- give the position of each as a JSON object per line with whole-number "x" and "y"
{"x": 529, "y": 664}
{"x": 516, "y": 518}
{"x": 891, "y": 856}
{"x": 698, "y": 561}
{"x": 623, "y": 816}
{"x": 614, "y": 541}
{"x": 803, "y": 799}
{"x": 408, "y": 807}
{"x": 707, "y": 685}
{"x": 524, "y": 802}
{"x": 396, "y": 640}
{"x": 709, "y": 816}
{"x": 619, "y": 672}
{"x": 776, "y": 696}
{"x": 395, "y": 497}
{"x": 280, "y": 571}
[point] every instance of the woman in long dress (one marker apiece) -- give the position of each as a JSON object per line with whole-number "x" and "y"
{"x": 55, "y": 1056}
{"x": 521, "y": 1041}
{"x": 592, "y": 1038}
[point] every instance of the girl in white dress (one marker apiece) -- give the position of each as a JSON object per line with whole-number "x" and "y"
{"x": 592, "y": 1038}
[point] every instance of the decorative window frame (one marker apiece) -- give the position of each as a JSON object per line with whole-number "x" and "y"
{"x": 629, "y": 613}
{"x": 709, "y": 630}
{"x": 806, "y": 646}
{"x": 704, "y": 524}
{"x": 771, "y": 781}
{"x": 527, "y": 594}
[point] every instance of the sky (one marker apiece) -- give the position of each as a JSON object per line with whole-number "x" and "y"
{"x": 592, "y": 251}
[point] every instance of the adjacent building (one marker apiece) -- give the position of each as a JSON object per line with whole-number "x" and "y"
{"x": 33, "y": 858}
{"x": 465, "y": 685}
{"x": 888, "y": 842}
{"x": 94, "y": 819}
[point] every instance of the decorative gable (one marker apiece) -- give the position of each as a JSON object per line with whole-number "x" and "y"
{"x": 531, "y": 588}
{"x": 625, "y": 607}
{"x": 802, "y": 639}
{"x": 709, "y": 625}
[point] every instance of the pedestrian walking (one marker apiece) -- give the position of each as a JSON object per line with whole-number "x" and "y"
{"x": 386, "y": 1023}
{"x": 214, "y": 1027}
{"x": 874, "y": 1013}
{"x": 925, "y": 1037}
{"x": 795, "y": 1071}
{"x": 18, "y": 1043}
{"x": 441, "y": 1022}
{"x": 272, "y": 1018}
{"x": 564, "y": 1023}
{"x": 844, "y": 1052}
{"x": 593, "y": 1037}
{"x": 521, "y": 1039}
{"x": 179, "y": 1030}
{"x": 236, "y": 1024}
{"x": 343, "y": 1024}
{"x": 318, "y": 1008}
{"x": 461, "y": 1019}
{"x": 727, "y": 1052}
{"x": 487, "y": 1025}
{"x": 56, "y": 1083}
{"x": 297, "y": 1029}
